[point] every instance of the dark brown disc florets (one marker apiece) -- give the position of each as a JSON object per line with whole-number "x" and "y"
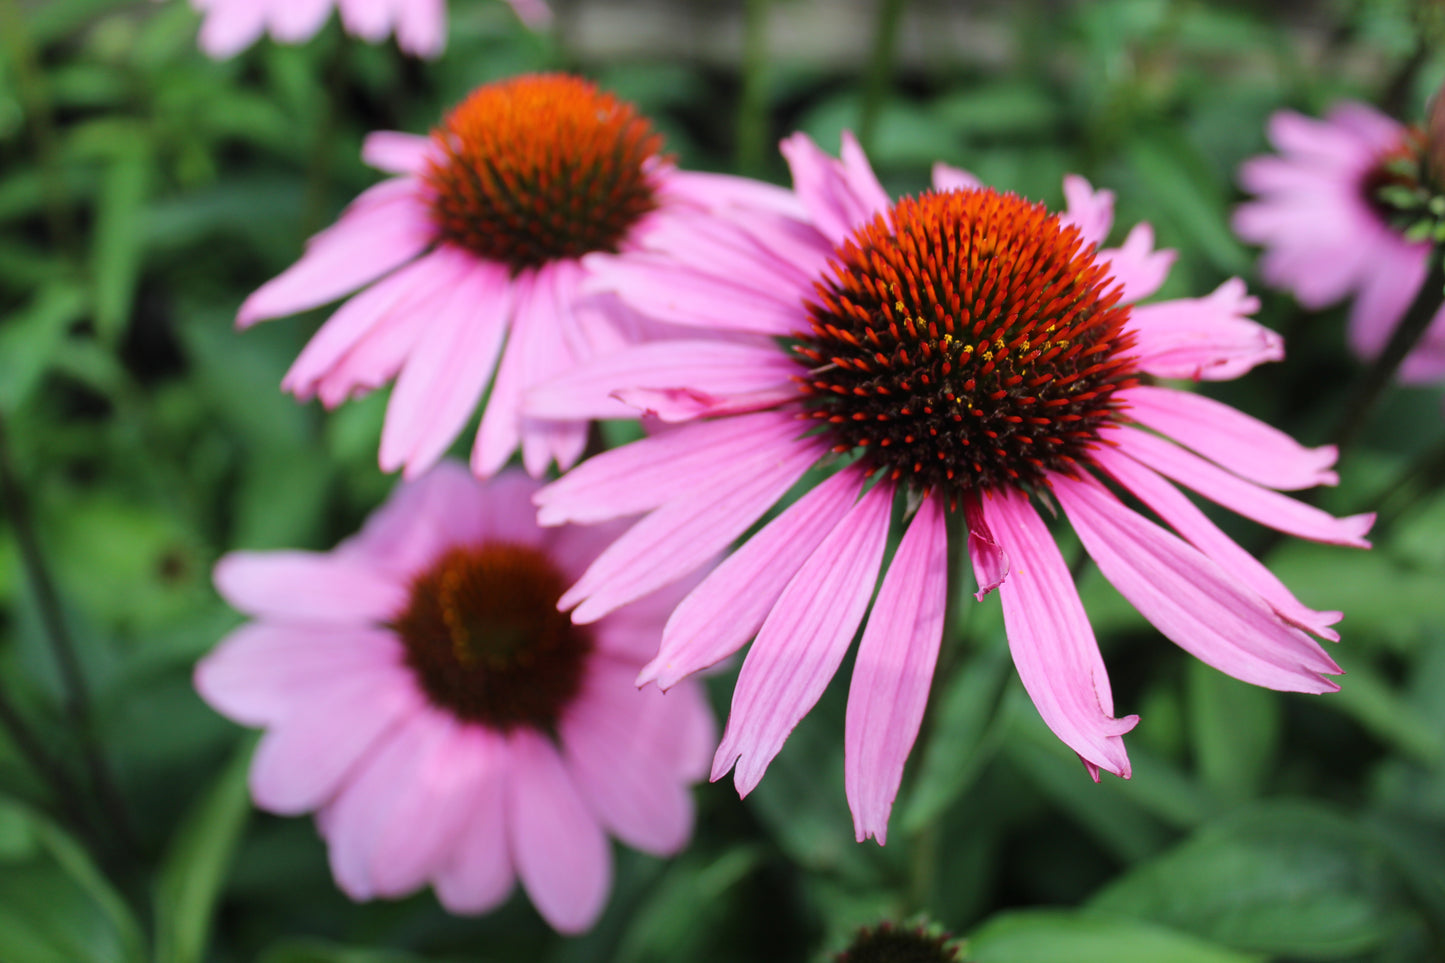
{"x": 484, "y": 637}
{"x": 542, "y": 168}
{"x": 966, "y": 340}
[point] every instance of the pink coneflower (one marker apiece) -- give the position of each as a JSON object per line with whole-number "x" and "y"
{"x": 421, "y": 692}
{"x": 480, "y": 242}
{"x": 1325, "y": 232}
{"x": 976, "y": 355}
{"x": 420, "y": 26}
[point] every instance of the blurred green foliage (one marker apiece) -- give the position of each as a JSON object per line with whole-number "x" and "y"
{"x": 145, "y": 190}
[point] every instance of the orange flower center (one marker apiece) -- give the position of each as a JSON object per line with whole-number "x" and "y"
{"x": 542, "y": 168}
{"x": 966, "y": 340}
{"x": 484, "y": 637}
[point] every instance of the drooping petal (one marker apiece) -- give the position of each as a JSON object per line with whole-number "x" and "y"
{"x": 678, "y": 537}
{"x": 1138, "y": 268}
{"x": 616, "y": 740}
{"x": 303, "y": 586}
{"x": 421, "y": 27}
{"x": 946, "y": 178}
{"x": 1203, "y": 338}
{"x": 990, "y": 562}
{"x": 803, "y": 640}
{"x": 382, "y": 229}
{"x": 297, "y": 20}
{"x": 730, "y": 605}
{"x": 560, "y": 850}
{"x": 655, "y": 287}
{"x": 368, "y": 19}
{"x": 1242, "y": 444}
{"x": 1385, "y": 294}
{"x": 1051, "y": 640}
{"x": 1189, "y": 598}
{"x": 1238, "y": 495}
{"x": 231, "y": 28}
{"x": 1184, "y": 517}
{"x": 894, "y": 670}
{"x": 423, "y": 518}
{"x": 641, "y": 476}
{"x": 500, "y": 431}
{"x": 478, "y": 874}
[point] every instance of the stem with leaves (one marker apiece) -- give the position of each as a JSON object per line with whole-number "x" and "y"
{"x": 880, "y": 69}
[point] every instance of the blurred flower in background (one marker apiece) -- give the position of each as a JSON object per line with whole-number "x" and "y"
{"x": 972, "y": 352}
{"x": 479, "y": 243}
{"x": 421, "y": 692}
{"x": 1327, "y": 231}
{"x": 420, "y": 26}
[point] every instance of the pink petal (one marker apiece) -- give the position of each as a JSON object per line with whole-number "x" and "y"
{"x": 560, "y": 850}
{"x": 990, "y": 562}
{"x": 1139, "y": 268}
{"x": 615, "y": 740}
{"x": 1376, "y": 130}
{"x": 534, "y": 13}
{"x": 423, "y": 518}
{"x": 500, "y": 431}
{"x": 708, "y": 368}
{"x": 395, "y": 152}
{"x": 894, "y": 670}
{"x": 302, "y": 761}
{"x": 1203, "y": 338}
{"x": 368, "y": 19}
{"x": 946, "y": 178}
{"x": 731, "y": 603}
{"x": 421, "y": 27}
{"x": 1189, "y": 598}
{"x": 676, "y": 405}
{"x": 230, "y": 28}
{"x": 395, "y": 298}
{"x": 478, "y": 875}
{"x": 640, "y": 476}
{"x": 298, "y": 20}
{"x": 724, "y": 249}
{"x": 1264, "y": 506}
{"x": 382, "y": 229}
{"x": 396, "y": 819}
{"x": 1051, "y": 640}
{"x": 1092, "y": 212}
{"x": 654, "y": 286}
{"x": 730, "y": 191}
{"x": 444, "y": 377}
{"x": 840, "y": 195}
{"x": 1181, "y": 514}
{"x": 1244, "y": 445}
{"x": 686, "y": 532}
{"x": 1317, "y": 140}
{"x": 308, "y": 587}
{"x": 803, "y": 640}
{"x": 262, "y": 671}
{"x": 1385, "y": 293}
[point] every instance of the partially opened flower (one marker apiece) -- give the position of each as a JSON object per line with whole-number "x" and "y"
{"x": 978, "y": 356}
{"x": 421, "y": 692}
{"x": 231, "y": 26}
{"x": 1326, "y": 234}
{"x": 471, "y": 260}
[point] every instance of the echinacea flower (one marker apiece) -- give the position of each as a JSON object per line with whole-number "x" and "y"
{"x": 474, "y": 253}
{"x": 421, "y": 692}
{"x": 231, "y": 26}
{"x": 977, "y": 355}
{"x": 1325, "y": 233}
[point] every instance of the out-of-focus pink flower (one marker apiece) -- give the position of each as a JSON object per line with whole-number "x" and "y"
{"x": 231, "y": 26}
{"x": 479, "y": 243}
{"x": 421, "y": 692}
{"x": 1324, "y": 234}
{"x": 973, "y": 353}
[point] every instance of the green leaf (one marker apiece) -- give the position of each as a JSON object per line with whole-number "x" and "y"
{"x": 316, "y": 951}
{"x": 119, "y": 235}
{"x": 1185, "y": 190}
{"x": 1236, "y": 730}
{"x": 191, "y": 876}
{"x": 968, "y": 723}
{"x": 1055, "y": 936}
{"x": 57, "y": 907}
{"x": 679, "y": 920}
{"x": 31, "y": 340}
{"x": 1287, "y": 878}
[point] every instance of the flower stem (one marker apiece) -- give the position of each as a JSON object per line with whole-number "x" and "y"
{"x": 77, "y": 694}
{"x": 880, "y": 69}
{"x": 752, "y": 118}
{"x": 1370, "y": 388}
